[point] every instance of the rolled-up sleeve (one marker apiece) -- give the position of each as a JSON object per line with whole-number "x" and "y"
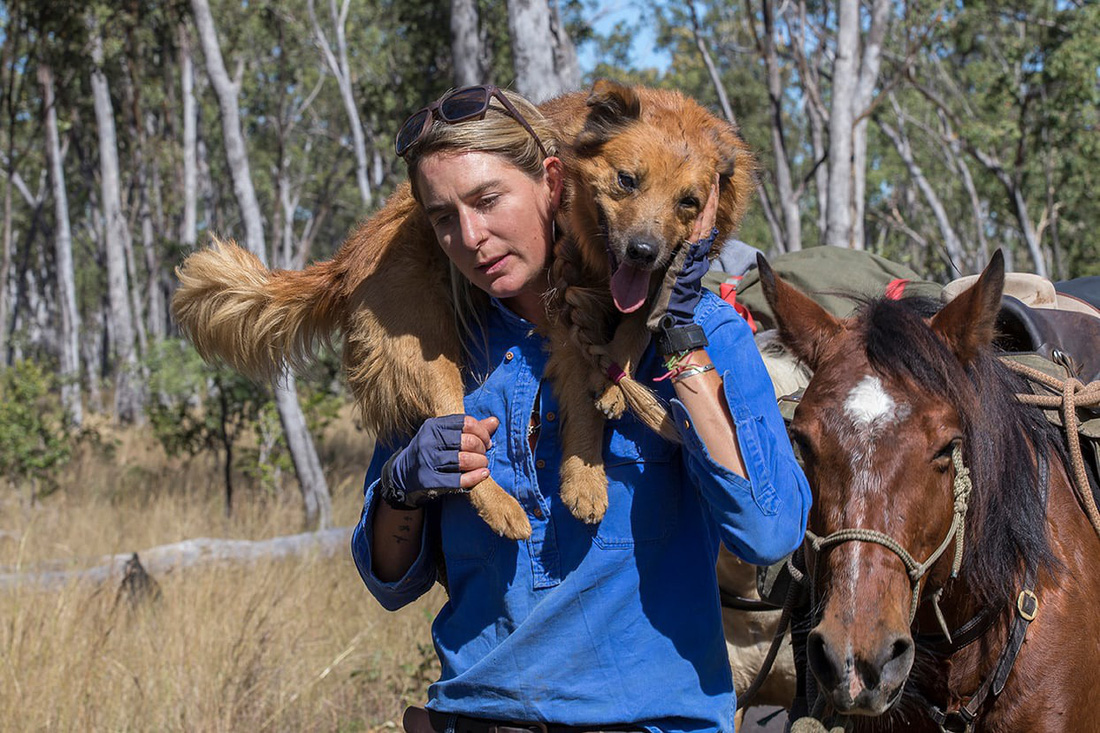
{"x": 763, "y": 518}
{"x": 419, "y": 578}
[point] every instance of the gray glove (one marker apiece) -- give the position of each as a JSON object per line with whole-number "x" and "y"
{"x": 427, "y": 467}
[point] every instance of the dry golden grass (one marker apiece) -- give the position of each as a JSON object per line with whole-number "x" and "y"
{"x": 282, "y": 645}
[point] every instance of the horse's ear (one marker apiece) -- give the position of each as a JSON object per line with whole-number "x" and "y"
{"x": 968, "y": 323}
{"x": 804, "y": 326}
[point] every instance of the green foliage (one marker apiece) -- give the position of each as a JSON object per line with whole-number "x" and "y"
{"x": 35, "y": 439}
{"x": 196, "y": 407}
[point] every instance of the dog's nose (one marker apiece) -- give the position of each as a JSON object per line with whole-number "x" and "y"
{"x": 640, "y": 252}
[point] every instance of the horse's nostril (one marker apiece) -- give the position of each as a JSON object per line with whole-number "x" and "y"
{"x": 824, "y": 662}
{"x": 900, "y": 648}
{"x": 895, "y": 662}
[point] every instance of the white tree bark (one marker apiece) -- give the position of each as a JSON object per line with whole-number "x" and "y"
{"x": 128, "y": 394}
{"x": 338, "y": 65}
{"x": 838, "y": 214}
{"x": 63, "y": 247}
{"x": 466, "y": 50}
{"x": 315, "y": 493}
{"x": 951, "y": 240}
{"x": 227, "y": 90}
{"x": 861, "y": 104}
{"x": 565, "y": 53}
{"x": 788, "y": 198}
{"x": 189, "y": 227}
{"x": 533, "y": 50}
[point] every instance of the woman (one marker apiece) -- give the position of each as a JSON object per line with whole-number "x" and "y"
{"x": 594, "y": 627}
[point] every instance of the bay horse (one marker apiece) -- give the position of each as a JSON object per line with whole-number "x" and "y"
{"x": 955, "y": 577}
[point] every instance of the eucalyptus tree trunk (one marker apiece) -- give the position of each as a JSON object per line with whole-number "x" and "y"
{"x": 536, "y": 49}
{"x": 5, "y": 262}
{"x": 315, "y": 493}
{"x": 128, "y": 394}
{"x": 466, "y": 49}
{"x": 189, "y": 226}
{"x": 565, "y": 53}
{"x": 861, "y": 108}
{"x": 788, "y": 198}
{"x": 838, "y": 213}
{"x": 952, "y": 242}
{"x": 63, "y": 244}
{"x": 338, "y": 65}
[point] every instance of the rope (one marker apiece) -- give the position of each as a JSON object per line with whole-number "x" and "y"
{"x": 961, "y": 490}
{"x": 1071, "y": 394}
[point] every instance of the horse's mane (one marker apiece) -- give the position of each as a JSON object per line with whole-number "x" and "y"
{"x": 1006, "y": 526}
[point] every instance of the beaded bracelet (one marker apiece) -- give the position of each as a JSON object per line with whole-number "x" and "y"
{"x": 681, "y": 365}
{"x": 691, "y": 370}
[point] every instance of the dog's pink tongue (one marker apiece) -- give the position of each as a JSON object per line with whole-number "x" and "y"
{"x": 628, "y": 288}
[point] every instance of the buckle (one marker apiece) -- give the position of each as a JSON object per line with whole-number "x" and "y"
{"x": 1027, "y": 604}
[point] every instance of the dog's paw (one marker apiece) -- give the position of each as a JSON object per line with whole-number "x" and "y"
{"x": 584, "y": 490}
{"x": 500, "y": 510}
{"x": 612, "y": 403}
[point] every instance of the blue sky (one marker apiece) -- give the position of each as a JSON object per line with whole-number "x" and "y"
{"x": 605, "y": 14}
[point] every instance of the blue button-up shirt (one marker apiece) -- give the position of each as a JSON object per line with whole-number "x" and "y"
{"x": 618, "y": 622}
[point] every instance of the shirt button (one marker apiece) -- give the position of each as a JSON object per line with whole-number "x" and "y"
{"x": 540, "y": 463}
{"x": 687, "y": 425}
{"x": 537, "y": 512}
{"x": 509, "y": 356}
{"x": 551, "y": 417}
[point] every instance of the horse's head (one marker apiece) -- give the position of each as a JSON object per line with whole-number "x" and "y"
{"x": 877, "y": 436}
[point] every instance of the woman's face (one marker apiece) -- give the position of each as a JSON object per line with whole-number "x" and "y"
{"x": 493, "y": 221}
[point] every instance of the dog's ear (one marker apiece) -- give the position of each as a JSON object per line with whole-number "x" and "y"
{"x": 736, "y": 176}
{"x": 611, "y": 106}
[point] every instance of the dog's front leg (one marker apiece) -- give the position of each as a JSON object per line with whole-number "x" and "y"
{"x": 625, "y": 350}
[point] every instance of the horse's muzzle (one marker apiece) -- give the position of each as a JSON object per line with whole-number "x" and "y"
{"x": 860, "y": 683}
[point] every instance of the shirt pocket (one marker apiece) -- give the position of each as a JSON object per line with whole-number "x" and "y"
{"x": 643, "y": 486}
{"x": 465, "y": 536}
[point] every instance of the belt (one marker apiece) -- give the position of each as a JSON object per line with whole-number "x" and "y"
{"x": 419, "y": 720}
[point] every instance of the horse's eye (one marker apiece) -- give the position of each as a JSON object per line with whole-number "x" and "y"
{"x": 689, "y": 202}
{"x": 803, "y": 451}
{"x": 942, "y": 459}
{"x": 627, "y": 181}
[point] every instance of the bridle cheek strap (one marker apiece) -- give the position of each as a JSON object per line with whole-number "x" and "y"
{"x": 961, "y": 490}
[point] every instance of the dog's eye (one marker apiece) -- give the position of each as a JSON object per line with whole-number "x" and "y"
{"x": 689, "y": 202}
{"x": 627, "y": 181}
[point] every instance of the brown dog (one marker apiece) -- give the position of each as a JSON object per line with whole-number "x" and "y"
{"x": 639, "y": 166}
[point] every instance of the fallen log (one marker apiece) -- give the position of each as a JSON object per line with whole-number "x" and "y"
{"x": 179, "y": 555}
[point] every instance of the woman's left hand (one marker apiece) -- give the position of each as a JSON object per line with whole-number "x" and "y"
{"x": 683, "y": 284}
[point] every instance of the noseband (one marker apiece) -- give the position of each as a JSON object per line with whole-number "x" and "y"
{"x": 917, "y": 570}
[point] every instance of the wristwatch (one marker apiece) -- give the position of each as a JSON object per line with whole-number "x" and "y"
{"x": 674, "y": 339}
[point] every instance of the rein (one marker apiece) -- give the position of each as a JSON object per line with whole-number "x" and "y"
{"x": 962, "y": 488}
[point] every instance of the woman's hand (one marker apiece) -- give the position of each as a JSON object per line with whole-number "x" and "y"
{"x": 683, "y": 283}
{"x": 446, "y": 456}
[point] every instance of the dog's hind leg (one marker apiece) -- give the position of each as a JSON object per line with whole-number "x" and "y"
{"x": 583, "y": 481}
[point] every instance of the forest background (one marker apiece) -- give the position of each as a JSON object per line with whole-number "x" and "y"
{"x": 130, "y": 132}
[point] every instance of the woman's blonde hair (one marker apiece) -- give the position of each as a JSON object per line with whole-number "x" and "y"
{"x": 499, "y": 134}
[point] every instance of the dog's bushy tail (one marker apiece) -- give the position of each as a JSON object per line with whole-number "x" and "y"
{"x": 232, "y": 307}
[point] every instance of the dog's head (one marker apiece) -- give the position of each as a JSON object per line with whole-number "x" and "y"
{"x": 641, "y": 169}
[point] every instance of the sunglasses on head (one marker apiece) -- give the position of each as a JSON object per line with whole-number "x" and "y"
{"x": 468, "y": 103}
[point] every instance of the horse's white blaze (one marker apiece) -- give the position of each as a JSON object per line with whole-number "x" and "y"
{"x": 871, "y": 407}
